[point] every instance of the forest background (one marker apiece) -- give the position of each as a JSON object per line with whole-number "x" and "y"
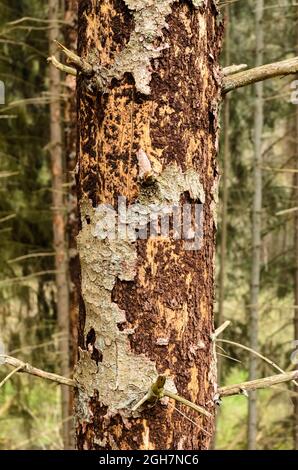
{"x": 30, "y": 408}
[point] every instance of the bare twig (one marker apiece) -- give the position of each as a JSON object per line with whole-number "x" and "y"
{"x": 8, "y": 217}
{"x": 10, "y": 375}
{"x": 62, "y": 67}
{"x": 220, "y": 330}
{"x": 287, "y": 211}
{"x": 30, "y": 256}
{"x": 255, "y": 353}
{"x": 258, "y": 74}
{"x": 23, "y": 367}
{"x": 190, "y": 420}
{"x": 157, "y": 391}
{"x": 229, "y": 357}
{"x": 188, "y": 403}
{"x": 231, "y": 69}
{"x": 19, "y": 279}
{"x": 267, "y": 382}
{"x": 34, "y": 20}
{"x": 7, "y": 174}
{"x": 76, "y": 61}
{"x": 154, "y": 393}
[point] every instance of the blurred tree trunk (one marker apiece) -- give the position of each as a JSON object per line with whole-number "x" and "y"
{"x": 295, "y": 133}
{"x": 225, "y": 188}
{"x": 256, "y": 231}
{"x": 224, "y": 198}
{"x": 61, "y": 263}
{"x": 296, "y": 267}
{"x": 70, "y": 34}
{"x": 148, "y": 304}
{"x": 70, "y": 116}
{"x": 296, "y": 271}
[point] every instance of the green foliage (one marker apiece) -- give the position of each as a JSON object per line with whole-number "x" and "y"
{"x": 27, "y": 303}
{"x": 278, "y": 263}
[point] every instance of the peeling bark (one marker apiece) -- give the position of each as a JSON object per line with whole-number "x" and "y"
{"x": 150, "y": 137}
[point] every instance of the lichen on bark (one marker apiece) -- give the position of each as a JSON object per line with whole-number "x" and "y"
{"x": 169, "y": 186}
{"x": 104, "y": 261}
{"x": 135, "y": 58}
{"x": 121, "y": 376}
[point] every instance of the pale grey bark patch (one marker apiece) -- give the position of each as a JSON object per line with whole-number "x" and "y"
{"x": 138, "y": 55}
{"x": 122, "y": 376}
{"x": 171, "y": 184}
{"x": 150, "y": 19}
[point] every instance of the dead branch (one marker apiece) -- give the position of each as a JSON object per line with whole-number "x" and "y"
{"x": 6, "y": 379}
{"x": 267, "y": 382}
{"x": 258, "y": 74}
{"x": 62, "y": 67}
{"x": 231, "y": 69}
{"x": 157, "y": 391}
{"x": 255, "y": 353}
{"x": 220, "y": 330}
{"x": 73, "y": 59}
{"x": 190, "y": 404}
{"x": 24, "y": 367}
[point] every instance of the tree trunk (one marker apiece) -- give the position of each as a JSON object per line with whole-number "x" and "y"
{"x": 70, "y": 117}
{"x": 61, "y": 264}
{"x": 224, "y": 202}
{"x": 256, "y": 231}
{"x": 151, "y": 136}
{"x": 296, "y": 271}
{"x": 295, "y": 178}
{"x": 225, "y": 188}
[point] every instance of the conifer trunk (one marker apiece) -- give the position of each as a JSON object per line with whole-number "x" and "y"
{"x": 61, "y": 265}
{"x": 148, "y": 304}
{"x": 225, "y": 187}
{"x": 296, "y": 271}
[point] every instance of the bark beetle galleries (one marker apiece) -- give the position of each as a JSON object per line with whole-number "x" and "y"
{"x": 136, "y": 294}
